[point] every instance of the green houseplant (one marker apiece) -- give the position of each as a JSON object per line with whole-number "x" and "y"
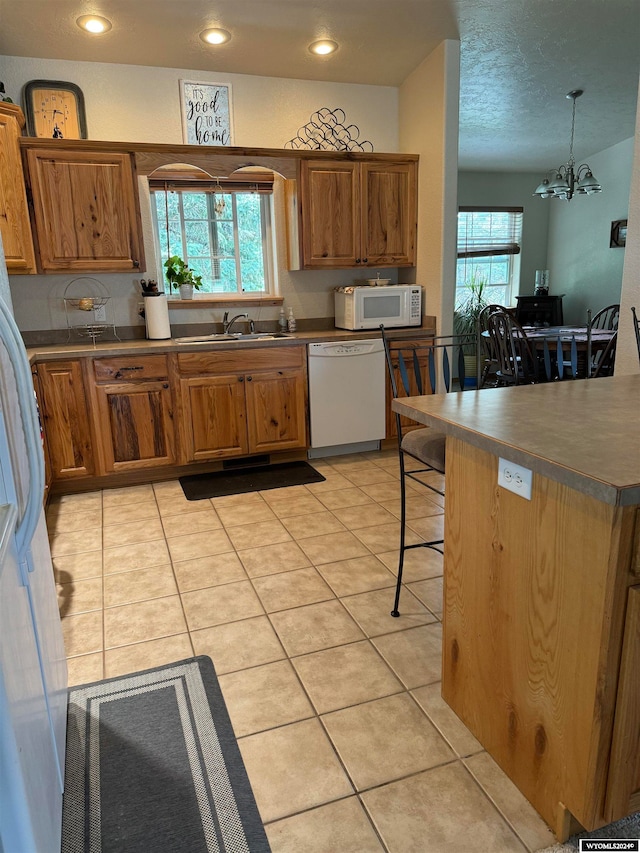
{"x": 465, "y": 321}
{"x": 182, "y": 277}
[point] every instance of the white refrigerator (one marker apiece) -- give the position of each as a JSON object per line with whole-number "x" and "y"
{"x": 33, "y": 671}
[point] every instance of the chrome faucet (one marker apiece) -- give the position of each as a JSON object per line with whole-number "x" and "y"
{"x": 228, "y": 323}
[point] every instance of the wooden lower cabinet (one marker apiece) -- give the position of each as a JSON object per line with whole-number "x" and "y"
{"x": 65, "y": 416}
{"x": 106, "y": 416}
{"x": 251, "y": 401}
{"x": 135, "y": 423}
{"x": 133, "y": 413}
{"x": 48, "y": 473}
{"x": 214, "y": 417}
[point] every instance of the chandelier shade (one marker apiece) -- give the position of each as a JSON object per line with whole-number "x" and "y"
{"x": 566, "y": 181}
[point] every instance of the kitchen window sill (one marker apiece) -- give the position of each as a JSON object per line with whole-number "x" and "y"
{"x": 231, "y": 299}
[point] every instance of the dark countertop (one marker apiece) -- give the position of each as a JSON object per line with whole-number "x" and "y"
{"x": 54, "y": 352}
{"x": 583, "y": 433}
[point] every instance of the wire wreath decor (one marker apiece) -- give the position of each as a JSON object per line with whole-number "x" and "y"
{"x": 326, "y": 131}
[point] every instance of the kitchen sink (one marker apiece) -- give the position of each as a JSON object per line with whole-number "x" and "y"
{"x": 223, "y": 337}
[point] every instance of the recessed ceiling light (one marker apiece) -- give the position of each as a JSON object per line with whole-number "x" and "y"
{"x": 94, "y": 24}
{"x": 323, "y": 47}
{"x": 215, "y": 36}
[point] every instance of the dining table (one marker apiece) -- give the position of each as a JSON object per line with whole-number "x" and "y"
{"x": 573, "y": 347}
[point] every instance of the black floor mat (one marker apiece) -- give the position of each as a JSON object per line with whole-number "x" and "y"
{"x": 197, "y": 487}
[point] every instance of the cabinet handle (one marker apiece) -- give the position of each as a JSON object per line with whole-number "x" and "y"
{"x": 357, "y": 260}
{"x": 118, "y": 373}
{"x": 365, "y": 260}
{"x": 249, "y": 378}
{"x": 240, "y": 378}
{"x": 136, "y": 263}
{"x": 165, "y": 385}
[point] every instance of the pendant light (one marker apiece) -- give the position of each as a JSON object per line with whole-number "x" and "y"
{"x": 566, "y": 180}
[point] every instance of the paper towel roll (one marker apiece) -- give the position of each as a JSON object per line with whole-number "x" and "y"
{"x": 156, "y": 315}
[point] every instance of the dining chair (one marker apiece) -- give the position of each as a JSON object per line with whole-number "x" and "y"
{"x": 606, "y": 318}
{"x": 636, "y": 328}
{"x": 487, "y": 360}
{"x": 416, "y": 369}
{"x": 601, "y": 362}
{"x": 517, "y": 362}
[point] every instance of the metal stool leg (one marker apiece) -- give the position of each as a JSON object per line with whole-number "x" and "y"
{"x": 403, "y": 518}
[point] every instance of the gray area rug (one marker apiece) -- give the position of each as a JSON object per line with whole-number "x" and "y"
{"x": 152, "y": 764}
{"x": 627, "y": 827}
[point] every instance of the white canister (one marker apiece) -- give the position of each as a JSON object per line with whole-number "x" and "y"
{"x": 156, "y": 315}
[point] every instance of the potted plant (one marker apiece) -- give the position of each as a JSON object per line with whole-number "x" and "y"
{"x": 182, "y": 277}
{"x": 465, "y": 322}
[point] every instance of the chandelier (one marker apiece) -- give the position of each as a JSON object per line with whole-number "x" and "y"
{"x": 567, "y": 180}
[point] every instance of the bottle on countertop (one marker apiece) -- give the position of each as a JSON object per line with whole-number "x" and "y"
{"x": 282, "y": 320}
{"x": 291, "y": 321}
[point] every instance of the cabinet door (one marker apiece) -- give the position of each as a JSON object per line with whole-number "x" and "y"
{"x": 86, "y": 210}
{"x": 214, "y": 420}
{"x": 388, "y": 213}
{"x": 14, "y": 213}
{"x": 48, "y": 473}
{"x": 276, "y": 410}
{"x": 66, "y": 419}
{"x": 136, "y": 425}
{"x": 329, "y": 213}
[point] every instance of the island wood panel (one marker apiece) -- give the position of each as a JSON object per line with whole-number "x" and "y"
{"x": 14, "y": 212}
{"x": 389, "y": 213}
{"x": 66, "y": 419}
{"x": 276, "y": 410}
{"x": 135, "y": 421}
{"x": 624, "y": 772}
{"x": 86, "y": 210}
{"x": 534, "y": 601}
{"x": 213, "y": 417}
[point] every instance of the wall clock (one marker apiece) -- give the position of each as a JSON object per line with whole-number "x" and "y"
{"x": 54, "y": 110}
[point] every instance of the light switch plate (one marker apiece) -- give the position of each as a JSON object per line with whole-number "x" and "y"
{"x": 515, "y": 478}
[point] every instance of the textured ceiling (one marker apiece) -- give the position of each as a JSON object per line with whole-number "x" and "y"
{"x": 518, "y": 57}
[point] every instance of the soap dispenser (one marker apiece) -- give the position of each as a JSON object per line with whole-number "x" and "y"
{"x": 291, "y": 321}
{"x": 282, "y": 320}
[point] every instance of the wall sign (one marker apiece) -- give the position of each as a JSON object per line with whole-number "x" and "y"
{"x": 206, "y": 113}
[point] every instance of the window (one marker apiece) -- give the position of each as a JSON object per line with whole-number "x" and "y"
{"x": 222, "y": 233}
{"x": 488, "y": 249}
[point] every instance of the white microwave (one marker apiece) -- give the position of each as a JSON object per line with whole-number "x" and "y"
{"x": 370, "y": 307}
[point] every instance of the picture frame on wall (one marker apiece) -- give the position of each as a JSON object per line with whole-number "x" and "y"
{"x": 206, "y": 113}
{"x": 618, "y": 234}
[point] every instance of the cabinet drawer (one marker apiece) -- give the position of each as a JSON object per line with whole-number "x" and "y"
{"x": 130, "y": 368}
{"x": 240, "y": 361}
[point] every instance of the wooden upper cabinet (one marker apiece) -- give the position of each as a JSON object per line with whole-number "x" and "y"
{"x": 330, "y": 213}
{"x": 388, "y": 204}
{"x": 86, "y": 210}
{"x": 14, "y": 212}
{"x": 354, "y": 214}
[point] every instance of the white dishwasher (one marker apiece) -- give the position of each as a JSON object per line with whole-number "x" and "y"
{"x": 346, "y": 396}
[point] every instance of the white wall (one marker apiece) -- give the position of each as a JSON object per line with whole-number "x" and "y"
{"x": 627, "y": 356}
{"x": 429, "y": 100}
{"x": 140, "y": 104}
{"x": 581, "y": 264}
{"x": 513, "y": 189}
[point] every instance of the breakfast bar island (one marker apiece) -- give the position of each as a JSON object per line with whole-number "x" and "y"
{"x": 541, "y": 650}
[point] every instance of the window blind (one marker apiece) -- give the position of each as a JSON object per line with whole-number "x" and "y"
{"x": 484, "y": 232}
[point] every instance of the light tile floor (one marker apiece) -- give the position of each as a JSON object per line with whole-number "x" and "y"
{"x": 336, "y": 705}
